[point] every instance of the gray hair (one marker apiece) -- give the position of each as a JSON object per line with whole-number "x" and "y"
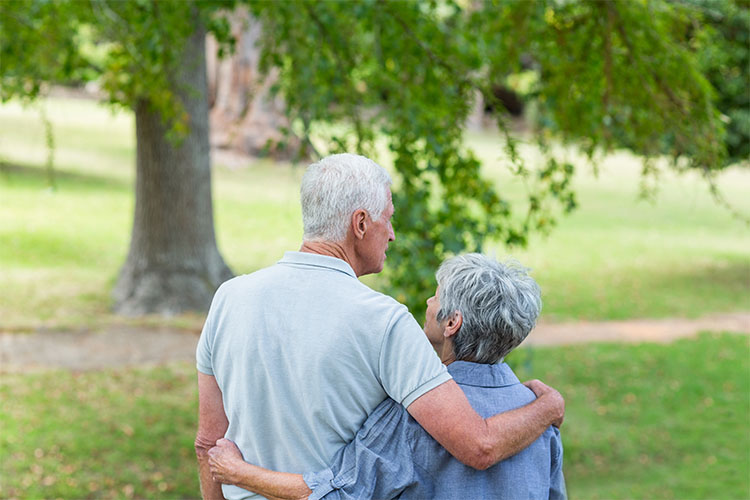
{"x": 499, "y": 303}
{"x": 333, "y": 188}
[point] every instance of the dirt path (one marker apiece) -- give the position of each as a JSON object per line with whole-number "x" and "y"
{"x": 118, "y": 346}
{"x": 638, "y": 330}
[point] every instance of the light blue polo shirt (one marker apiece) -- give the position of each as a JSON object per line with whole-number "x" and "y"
{"x": 303, "y": 352}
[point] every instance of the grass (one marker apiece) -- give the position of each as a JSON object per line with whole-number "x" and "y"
{"x": 647, "y": 421}
{"x": 655, "y": 421}
{"x": 642, "y": 421}
{"x": 620, "y": 256}
{"x": 616, "y": 257}
{"x": 114, "y": 434}
{"x": 64, "y": 247}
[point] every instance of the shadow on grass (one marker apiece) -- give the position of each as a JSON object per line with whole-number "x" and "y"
{"x": 717, "y": 285}
{"x": 703, "y": 288}
{"x": 15, "y": 175}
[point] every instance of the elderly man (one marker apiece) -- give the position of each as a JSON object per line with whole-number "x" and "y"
{"x": 293, "y": 358}
{"x": 482, "y": 310}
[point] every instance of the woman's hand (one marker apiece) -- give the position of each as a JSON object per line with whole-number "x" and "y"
{"x": 225, "y": 461}
{"x": 228, "y": 467}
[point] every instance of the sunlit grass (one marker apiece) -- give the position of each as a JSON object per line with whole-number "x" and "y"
{"x": 615, "y": 257}
{"x": 114, "y": 434}
{"x": 89, "y": 138}
{"x": 653, "y": 420}
{"x": 620, "y": 256}
{"x": 642, "y": 421}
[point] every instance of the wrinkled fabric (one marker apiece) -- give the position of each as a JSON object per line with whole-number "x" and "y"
{"x": 393, "y": 457}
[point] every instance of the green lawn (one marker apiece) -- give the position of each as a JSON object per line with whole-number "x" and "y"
{"x": 64, "y": 247}
{"x": 616, "y": 257}
{"x": 654, "y": 421}
{"x": 619, "y": 256}
{"x": 648, "y": 421}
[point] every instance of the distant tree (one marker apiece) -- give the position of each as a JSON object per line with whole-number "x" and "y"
{"x": 148, "y": 56}
{"x": 246, "y": 117}
{"x": 722, "y": 42}
{"x": 598, "y": 74}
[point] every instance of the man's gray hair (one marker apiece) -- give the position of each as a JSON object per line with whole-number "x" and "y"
{"x": 333, "y": 188}
{"x": 499, "y": 303}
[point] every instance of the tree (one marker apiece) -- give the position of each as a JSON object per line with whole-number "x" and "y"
{"x": 600, "y": 75}
{"x": 173, "y": 263}
{"x": 149, "y": 56}
{"x": 722, "y": 41}
{"x": 245, "y": 115}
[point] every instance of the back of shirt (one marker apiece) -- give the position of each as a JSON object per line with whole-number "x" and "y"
{"x": 303, "y": 352}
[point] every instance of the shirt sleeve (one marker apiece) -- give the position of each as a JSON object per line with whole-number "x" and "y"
{"x": 203, "y": 352}
{"x": 557, "y": 489}
{"x": 376, "y": 464}
{"x": 409, "y": 366}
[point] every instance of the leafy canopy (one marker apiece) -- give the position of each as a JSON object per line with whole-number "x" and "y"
{"x": 405, "y": 75}
{"x": 600, "y": 75}
{"x": 130, "y": 48}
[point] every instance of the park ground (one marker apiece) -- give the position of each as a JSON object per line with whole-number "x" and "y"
{"x": 122, "y": 345}
{"x": 662, "y": 416}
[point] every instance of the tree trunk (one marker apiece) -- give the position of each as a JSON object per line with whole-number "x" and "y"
{"x": 173, "y": 264}
{"x": 245, "y": 117}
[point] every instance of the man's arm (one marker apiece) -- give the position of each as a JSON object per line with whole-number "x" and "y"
{"x": 212, "y": 425}
{"x": 445, "y": 413}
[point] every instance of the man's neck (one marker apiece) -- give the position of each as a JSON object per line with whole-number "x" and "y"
{"x": 331, "y": 249}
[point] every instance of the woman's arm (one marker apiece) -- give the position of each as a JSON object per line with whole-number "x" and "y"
{"x": 376, "y": 464}
{"x": 228, "y": 467}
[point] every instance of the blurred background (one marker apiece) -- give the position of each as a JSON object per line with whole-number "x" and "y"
{"x": 150, "y": 150}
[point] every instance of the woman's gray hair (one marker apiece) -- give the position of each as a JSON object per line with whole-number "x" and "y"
{"x": 499, "y": 303}
{"x": 333, "y": 188}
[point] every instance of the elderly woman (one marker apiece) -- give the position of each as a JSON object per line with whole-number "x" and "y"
{"x": 481, "y": 311}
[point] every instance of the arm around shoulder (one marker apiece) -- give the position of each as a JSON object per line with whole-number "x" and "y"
{"x": 445, "y": 413}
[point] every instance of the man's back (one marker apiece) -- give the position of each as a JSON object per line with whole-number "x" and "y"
{"x": 302, "y": 353}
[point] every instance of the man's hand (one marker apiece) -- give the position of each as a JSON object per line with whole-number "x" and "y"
{"x": 225, "y": 461}
{"x": 554, "y": 399}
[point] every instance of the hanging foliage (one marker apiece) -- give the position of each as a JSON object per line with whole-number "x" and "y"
{"x": 600, "y": 75}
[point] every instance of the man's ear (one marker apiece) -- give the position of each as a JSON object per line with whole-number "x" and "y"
{"x": 453, "y": 324}
{"x": 359, "y": 223}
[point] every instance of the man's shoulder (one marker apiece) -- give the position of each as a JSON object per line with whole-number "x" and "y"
{"x": 249, "y": 279}
{"x": 379, "y": 297}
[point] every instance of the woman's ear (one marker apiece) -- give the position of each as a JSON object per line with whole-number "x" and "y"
{"x": 453, "y": 325}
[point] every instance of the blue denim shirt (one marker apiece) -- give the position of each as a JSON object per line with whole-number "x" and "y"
{"x": 393, "y": 457}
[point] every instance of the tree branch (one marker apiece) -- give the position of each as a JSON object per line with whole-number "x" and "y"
{"x": 612, "y": 10}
